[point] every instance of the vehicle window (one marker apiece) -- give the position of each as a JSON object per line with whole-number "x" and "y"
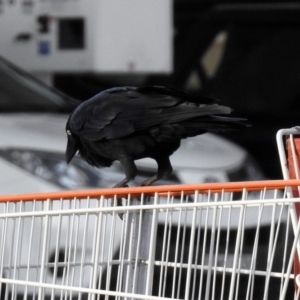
{"x": 21, "y": 92}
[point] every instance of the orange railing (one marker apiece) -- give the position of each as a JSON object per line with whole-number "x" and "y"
{"x": 161, "y": 190}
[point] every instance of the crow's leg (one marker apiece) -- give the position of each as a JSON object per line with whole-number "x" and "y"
{"x": 164, "y": 171}
{"x": 130, "y": 171}
{"x": 122, "y": 183}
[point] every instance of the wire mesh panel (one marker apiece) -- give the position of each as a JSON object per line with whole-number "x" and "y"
{"x": 211, "y": 241}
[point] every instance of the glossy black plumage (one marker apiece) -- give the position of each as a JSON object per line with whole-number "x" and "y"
{"x": 129, "y": 123}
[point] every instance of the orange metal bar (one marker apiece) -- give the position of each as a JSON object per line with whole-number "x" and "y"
{"x": 293, "y": 166}
{"x": 150, "y": 190}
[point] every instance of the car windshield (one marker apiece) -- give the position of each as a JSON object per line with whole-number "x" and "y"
{"x": 21, "y": 92}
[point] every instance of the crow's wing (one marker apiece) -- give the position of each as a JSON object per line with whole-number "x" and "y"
{"x": 119, "y": 112}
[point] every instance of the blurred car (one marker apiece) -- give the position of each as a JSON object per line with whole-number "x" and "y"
{"x": 33, "y": 142}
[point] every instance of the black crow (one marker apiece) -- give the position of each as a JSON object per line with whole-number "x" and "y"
{"x": 129, "y": 123}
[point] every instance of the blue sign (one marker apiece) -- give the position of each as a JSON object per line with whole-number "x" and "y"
{"x": 44, "y": 47}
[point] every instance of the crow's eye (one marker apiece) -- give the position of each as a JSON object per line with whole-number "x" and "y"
{"x": 69, "y": 132}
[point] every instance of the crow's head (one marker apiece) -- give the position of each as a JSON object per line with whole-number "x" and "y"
{"x": 72, "y": 146}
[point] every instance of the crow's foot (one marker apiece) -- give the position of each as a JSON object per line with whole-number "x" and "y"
{"x": 149, "y": 181}
{"x": 119, "y": 200}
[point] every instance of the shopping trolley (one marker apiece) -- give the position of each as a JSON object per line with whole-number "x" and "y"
{"x": 209, "y": 241}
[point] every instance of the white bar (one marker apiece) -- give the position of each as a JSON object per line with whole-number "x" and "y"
{"x": 164, "y": 242}
{"x": 211, "y": 250}
{"x": 285, "y": 251}
{"x": 159, "y": 207}
{"x": 110, "y": 250}
{"x": 69, "y": 247}
{"x": 29, "y": 251}
{"x": 128, "y": 245}
{"x": 226, "y": 250}
{"x": 153, "y": 234}
{"x": 136, "y": 276}
{"x": 241, "y": 245}
{"x": 177, "y": 245}
{"x": 203, "y": 247}
{"x": 122, "y": 250}
{"x": 56, "y": 251}
{"x": 271, "y": 249}
{"x": 44, "y": 250}
{"x": 254, "y": 255}
{"x": 217, "y": 250}
{"x": 190, "y": 257}
{"x": 95, "y": 254}
{"x": 81, "y": 290}
{"x": 75, "y": 247}
{"x": 197, "y": 249}
{"x": 236, "y": 253}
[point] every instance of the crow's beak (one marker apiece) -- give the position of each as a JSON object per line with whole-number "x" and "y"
{"x": 72, "y": 148}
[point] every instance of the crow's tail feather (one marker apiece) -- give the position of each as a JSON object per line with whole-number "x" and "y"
{"x": 213, "y": 124}
{"x": 193, "y": 127}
